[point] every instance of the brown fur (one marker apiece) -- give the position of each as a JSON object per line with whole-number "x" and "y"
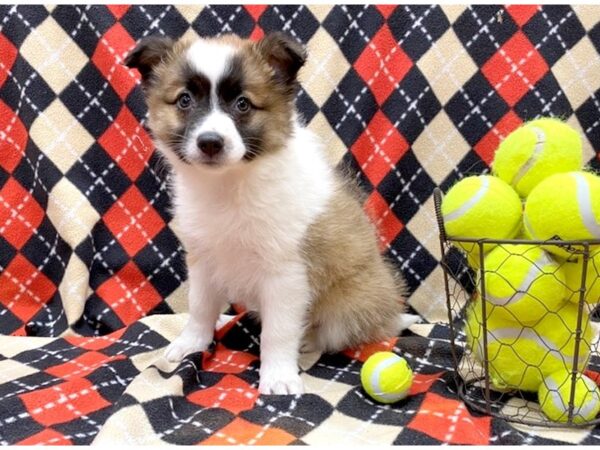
{"x": 358, "y": 297}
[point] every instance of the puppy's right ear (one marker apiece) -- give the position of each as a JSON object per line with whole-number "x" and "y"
{"x": 147, "y": 54}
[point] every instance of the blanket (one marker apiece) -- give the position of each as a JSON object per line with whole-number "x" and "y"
{"x": 93, "y": 282}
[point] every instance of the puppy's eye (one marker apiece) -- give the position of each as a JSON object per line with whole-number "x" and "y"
{"x": 184, "y": 101}
{"x": 242, "y": 104}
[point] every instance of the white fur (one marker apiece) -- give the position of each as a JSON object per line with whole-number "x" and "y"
{"x": 244, "y": 225}
{"x": 210, "y": 58}
{"x": 221, "y": 123}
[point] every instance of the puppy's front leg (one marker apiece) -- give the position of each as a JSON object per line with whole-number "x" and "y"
{"x": 205, "y": 304}
{"x": 284, "y": 303}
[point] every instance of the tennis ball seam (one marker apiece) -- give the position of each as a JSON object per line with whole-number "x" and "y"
{"x": 373, "y": 377}
{"x": 522, "y": 290}
{"x": 376, "y": 375}
{"x": 583, "y": 409}
{"x": 525, "y": 333}
{"x": 469, "y": 204}
{"x": 584, "y": 200}
{"x": 533, "y": 159}
{"x": 577, "y": 222}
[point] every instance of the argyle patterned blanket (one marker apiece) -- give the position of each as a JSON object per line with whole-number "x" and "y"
{"x": 92, "y": 276}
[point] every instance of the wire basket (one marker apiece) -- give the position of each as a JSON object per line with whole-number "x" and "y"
{"x": 487, "y": 359}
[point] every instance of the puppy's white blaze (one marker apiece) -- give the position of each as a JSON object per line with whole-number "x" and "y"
{"x": 210, "y": 59}
{"x": 219, "y": 122}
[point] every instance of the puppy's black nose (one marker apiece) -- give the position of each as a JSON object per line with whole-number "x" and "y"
{"x": 210, "y": 143}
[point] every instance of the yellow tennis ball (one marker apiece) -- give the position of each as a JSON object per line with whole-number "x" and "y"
{"x": 564, "y": 206}
{"x": 523, "y": 282}
{"x": 521, "y": 356}
{"x": 535, "y": 151}
{"x": 574, "y": 272}
{"x": 554, "y": 396}
{"x": 386, "y": 377}
{"x": 481, "y": 207}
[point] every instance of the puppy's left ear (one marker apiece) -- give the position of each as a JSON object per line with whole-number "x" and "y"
{"x": 147, "y": 54}
{"x": 284, "y": 55}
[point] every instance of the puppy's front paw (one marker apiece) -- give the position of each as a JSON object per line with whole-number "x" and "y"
{"x": 280, "y": 382}
{"x": 184, "y": 345}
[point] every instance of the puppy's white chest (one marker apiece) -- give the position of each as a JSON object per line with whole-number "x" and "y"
{"x": 240, "y": 241}
{"x": 246, "y": 226}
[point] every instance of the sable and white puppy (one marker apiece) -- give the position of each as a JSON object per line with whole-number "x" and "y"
{"x": 264, "y": 219}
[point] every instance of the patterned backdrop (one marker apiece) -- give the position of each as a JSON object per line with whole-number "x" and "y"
{"x": 408, "y": 97}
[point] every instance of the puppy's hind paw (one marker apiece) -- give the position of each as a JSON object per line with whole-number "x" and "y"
{"x": 407, "y": 320}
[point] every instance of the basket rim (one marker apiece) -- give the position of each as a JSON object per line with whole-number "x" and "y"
{"x": 541, "y": 422}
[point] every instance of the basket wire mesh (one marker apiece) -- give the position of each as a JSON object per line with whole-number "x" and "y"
{"x": 476, "y": 375}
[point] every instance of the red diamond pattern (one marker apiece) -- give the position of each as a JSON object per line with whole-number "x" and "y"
{"x": 46, "y": 437}
{"x": 129, "y": 293}
{"x": 109, "y": 55}
{"x": 242, "y": 432}
{"x": 20, "y": 214}
{"x": 24, "y": 290}
{"x": 522, "y": 13}
{"x": 255, "y": 11}
{"x": 383, "y": 64}
{"x": 386, "y": 222}
{"x": 379, "y": 147}
{"x": 449, "y": 421}
{"x": 515, "y": 68}
{"x": 9, "y": 55}
{"x": 133, "y": 221}
{"x": 128, "y": 143}
{"x": 224, "y": 360}
{"x": 118, "y": 10}
{"x": 230, "y": 393}
{"x": 95, "y": 343}
{"x": 63, "y": 402}
{"x": 422, "y": 382}
{"x": 363, "y": 352}
{"x": 386, "y": 10}
{"x": 82, "y": 365}
{"x": 13, "y": 138}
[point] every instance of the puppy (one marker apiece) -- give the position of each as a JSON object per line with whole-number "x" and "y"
{"x": 264, "y": 219}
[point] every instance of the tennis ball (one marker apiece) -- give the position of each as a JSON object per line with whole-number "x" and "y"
{"x": 554, "y": 396}
{"x": 573, "y": 273}
{"x": 521, "y": 356}
{"x": 535, "y": 151}
{"x": 523, "y": 282}
{"x": 565, "y": 206}
{"x": 481, "y": 207}
{"x": 386, "y": 377}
